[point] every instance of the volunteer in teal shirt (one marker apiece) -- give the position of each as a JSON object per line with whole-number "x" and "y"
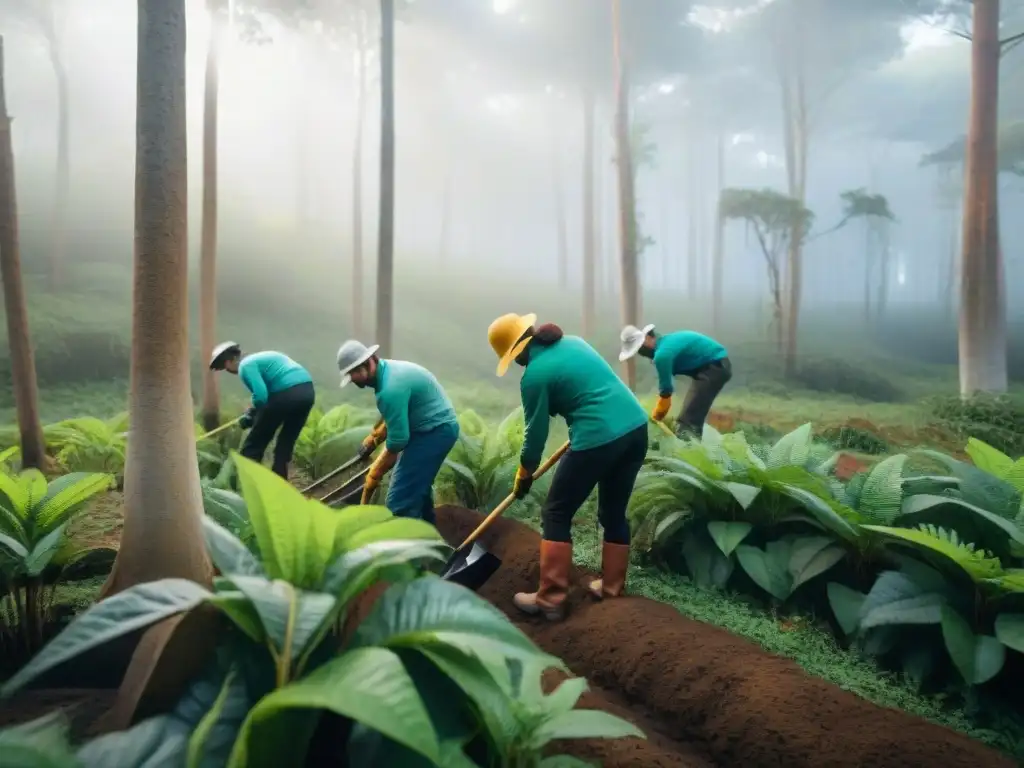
{"x": 683, "y": 353}
{"x": 418, "y": 427}
{"x": 564, "y": 376}
{"x": 282, "y": 397}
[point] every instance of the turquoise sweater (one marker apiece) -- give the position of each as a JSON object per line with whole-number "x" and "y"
{"x": 681, "y": 353}
{"x": 265, "y": 373}
{"x": 411, "y": 400}
{"x": 570, "y": 379}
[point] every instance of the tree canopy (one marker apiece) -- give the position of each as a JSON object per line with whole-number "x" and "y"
{"x": 1010, "y": 148}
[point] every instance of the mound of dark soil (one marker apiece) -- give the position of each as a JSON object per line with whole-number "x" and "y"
{"x": 713, "y": 698}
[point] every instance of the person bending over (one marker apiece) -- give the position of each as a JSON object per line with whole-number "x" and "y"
{"x": 683, "y": 353}
{"x": 418, "y": 427}
{"x": 282, "y": 397}
{"x": 564, "y": 376}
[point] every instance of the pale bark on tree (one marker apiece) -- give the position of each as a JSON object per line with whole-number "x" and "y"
{"x": 362, "y": 46}
{"x": 869, "y": 260}
{"x": 561, "y": 224}
{"x": 208, "y": 235}
{"x": 982, "y": 296}
{"x": 162, "y": 535}
{"x": 386, "y": 220}
{"x": 630, "y": 288}
{"x": 692, "y": 216}
{"x": 19, "y": 340}
{"x": 718, "y": 247}
{"x": 883, "y": 259}
{"x": 589, "y": 217}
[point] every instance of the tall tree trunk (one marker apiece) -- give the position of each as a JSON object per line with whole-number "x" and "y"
{"x": 692, "y": 216}
{"x": 23, "y": 366}
{"x": 358, "y": 310}
{"x": 884, "y": 268}
{"x": 208, "y": 242}
{"x": 949, "y": 287}
{"x": 982, "y": 301}
{"x": 589, "y": 224}
{"x": 869, "y": 260}
{"x": 718, "y": 257}
{"x": 630, "y": 290}
{"x": 561, "y": 225}
{"x": 162, "y": 535}
{"x": 386, "y": 221}
{"x": 62, "y": 183}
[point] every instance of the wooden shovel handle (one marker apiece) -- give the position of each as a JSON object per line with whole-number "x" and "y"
{"x": 500, "y": 509}
{"x": 665, "y": 428}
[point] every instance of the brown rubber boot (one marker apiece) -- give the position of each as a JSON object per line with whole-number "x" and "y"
{"x": 614, "y": 562}
{"x": 549, "y": 600}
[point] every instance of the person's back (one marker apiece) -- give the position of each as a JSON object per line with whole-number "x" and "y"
{"x": 683, "y": 352}
{"x": 275, "y": 370}
{"x": 410, "y": 386}
{"x": 584, "y": 389}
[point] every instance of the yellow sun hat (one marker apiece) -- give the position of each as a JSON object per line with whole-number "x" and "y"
{"x": 505, "y": 336}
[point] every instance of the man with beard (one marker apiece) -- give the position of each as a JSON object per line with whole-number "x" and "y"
{"x": 418, "y": 427}
{"x": 683, "y": 353}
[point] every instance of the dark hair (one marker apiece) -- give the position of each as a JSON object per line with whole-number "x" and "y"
{"x": 651, "y": 334}
{"x": 547, "y": 334}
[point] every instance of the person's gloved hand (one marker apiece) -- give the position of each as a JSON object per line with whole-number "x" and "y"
{"x": 377, "y": 435}
{"x": 378, "y": 469}
{"x": 248, "y": 418}
{"x": 523, "y": 482}
{"x": 661, "y": 408}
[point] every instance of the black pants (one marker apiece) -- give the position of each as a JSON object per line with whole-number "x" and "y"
{"x": 287, "y": 410}
{"x": 707, "y": 383}
{"x": 611, "y": 468}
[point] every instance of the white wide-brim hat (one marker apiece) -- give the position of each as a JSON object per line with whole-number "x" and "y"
{"x": 351, "y": 355}
{"x": 632, "y": 339}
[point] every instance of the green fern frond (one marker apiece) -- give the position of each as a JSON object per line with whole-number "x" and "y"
{"x": 931, "y": 540}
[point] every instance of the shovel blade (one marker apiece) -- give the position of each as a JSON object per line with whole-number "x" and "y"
{"x": 471, "y": 567}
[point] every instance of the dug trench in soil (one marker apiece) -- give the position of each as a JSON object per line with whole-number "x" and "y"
{"x": 699, "y": 685}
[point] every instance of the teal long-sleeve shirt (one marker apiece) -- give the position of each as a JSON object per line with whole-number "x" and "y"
{"x": 680, "y": 354}
{"x": 411, "y": 400}
{"x": 570, "y": 379}
{"x": 265, "y": 373}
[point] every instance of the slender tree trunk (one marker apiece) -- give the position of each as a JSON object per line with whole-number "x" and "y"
{"x": 589, "y": 224}
{"x": 208, "y": 243}
{"x": 982, "y": 302}
{"x": 301, "y": 97}
{"x": 358, "y": 310}
{"x": 692, "y": 216}
{"x": 162, "y": 535}
{"x": 718, "y": 258}
{"x": 630, "y": 290}
{"x": 561, "y": 225}
{"x": 869, "y": 260}
{"x": 23, "y": 366}
{"x": 386, "y": 231}
{"x": 62, "y": 184}
{"x": 884, "y": 267}
{"x": 950, "y": 286}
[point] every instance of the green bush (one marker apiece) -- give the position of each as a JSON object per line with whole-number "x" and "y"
{"x": 843, "y": 378}
{"x": 855, "y": 439}
{"x": 998, "y": 420}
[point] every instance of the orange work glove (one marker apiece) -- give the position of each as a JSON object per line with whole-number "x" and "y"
{"x": 523, "y": 482}
{"x": 378, "y": 469}
{"x": 377, "y": 435}
{"x": 661, "y": 408}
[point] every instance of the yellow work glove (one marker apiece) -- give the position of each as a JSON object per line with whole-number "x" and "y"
{"x": 661, "y": 408}
{"x": 523, "y": 482}
{"x": 378, "y": 469}
{"x": 377, "y": 435}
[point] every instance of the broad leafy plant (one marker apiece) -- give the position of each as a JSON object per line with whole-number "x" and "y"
{"x": 287, "y": 654}
{"x": 480, "y": 470}
{"x": 89, "y": 444}
{"x": 34, "y": 548}
{"x": 330, "y": 439}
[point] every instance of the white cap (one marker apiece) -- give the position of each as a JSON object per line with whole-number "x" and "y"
{"x": 351, "y": 355}
{"x": 632, "y": 339}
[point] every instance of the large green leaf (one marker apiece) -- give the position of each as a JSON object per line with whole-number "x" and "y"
{"x": 39, "y": 743}
{"x": 295, "y": 534}
{"x": 214, "y": 736}
{"x": 972, "y": 523}
{"x": 393, "y": 529}
{"x": 583, "y": 724}
{"x": 846, "y": 605}
{"x": 66, "y": 494}
{"x": 707, "y": 565}
{"x": 791, "y": 449}
{"x": 13, "y": 495}
{"x": 897, "y": 599}
{"x": 811, "y": 556}
{"x": 1010, "y": 630}
{"x": 978, "y": 658}
{"x": 368, "y": 685}
{"x": 228, "y": 553}
{"x": 153, "y": 743}
{"x": 769, "y": 568}
{"x": 728, "y": 536}
{"x": 820, "y": 510}
{"x": 136, "y": 607}
{"x": 15, "y": 546}
{"x": 44, "y": 550}
{"x": 289, "y": 616}
{"x": 744, "y": 494}
{"x": 944, "y": 551}
{"x": 989, "y": 459}
{"x": 430, "y": 611}
{"x": 355, "y": 519}
{"x": 882, "y": 492}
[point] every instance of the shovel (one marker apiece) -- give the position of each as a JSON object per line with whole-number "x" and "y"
{"x": 471, "y": 565}
{"x": 332, "y": 474}
{"x": 346, "y": 489}
{"x": 665, "y": 428}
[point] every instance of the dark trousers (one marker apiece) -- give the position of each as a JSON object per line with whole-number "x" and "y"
{"x": 707, "y": 383}
{"x": 611, "y": 468}
{"x": 411, "y": 490}
{"x": 286, "y": 410}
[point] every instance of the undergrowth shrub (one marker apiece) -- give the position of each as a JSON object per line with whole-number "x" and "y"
{"x": 74, "y": 358}
{"x": 851, "y": 438}
{"x": 997, "y": 420}
{"x": 841, "y": 377}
